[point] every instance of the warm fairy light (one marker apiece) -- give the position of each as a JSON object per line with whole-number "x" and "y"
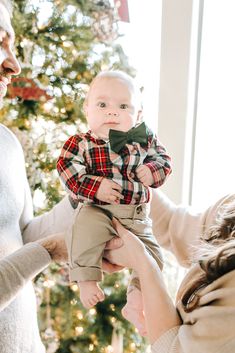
{"x": 47, "y": 107}
{"x": 79, "y": 315}
{"x": 109, "y": 349}
{"x": 74, "y": 287}
{"x": 132, "y": 346}
{"x": 91, "y": 347}
{"x": 48, "y": 283}
{"x": 112, "y": 307}
{"x": 79, "y": 330}
{"x": 94, "y": 339}
{"x": 116, "y": 285}
{"x": 73, "y": 301}
{"x": 92, "y": 311}
{"x": 56, "y": 110}
{"x": 67, "y": 44}
{"x": 113, "y": 320}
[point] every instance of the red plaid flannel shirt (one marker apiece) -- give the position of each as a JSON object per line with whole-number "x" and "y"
{"x": 85, "y": 160}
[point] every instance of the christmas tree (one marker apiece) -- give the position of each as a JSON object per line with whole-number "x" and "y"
{"x": 61, "y": 46}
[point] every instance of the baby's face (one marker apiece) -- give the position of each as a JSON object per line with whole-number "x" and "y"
{"x": 111, "y": 104}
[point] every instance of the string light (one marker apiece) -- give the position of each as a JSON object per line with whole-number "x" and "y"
{"x": 79, "y": 330}
{"x": 112, "y": 307}
{"x": 48, "y": 283}
{"x": 92, "y": 311}
{"x": 113, "y": 319}
{"x": 132, "y": 346}
{"x": 73, "y": 301}
{"x": 74, "y": 287}
{"x": 109, "y": 349}
{"x": 79, "y": 315}
{"x": 91, "y": 347}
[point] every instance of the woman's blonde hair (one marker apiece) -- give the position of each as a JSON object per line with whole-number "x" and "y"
{"x": 217, "y": 253}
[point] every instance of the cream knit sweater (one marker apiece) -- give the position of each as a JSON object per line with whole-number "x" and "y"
{"x": 18, "y": 265}
{"x": 211, "y": 327}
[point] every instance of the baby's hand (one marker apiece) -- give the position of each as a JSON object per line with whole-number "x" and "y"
{"x": 109, "y": 192}
{"x": 145, "y": 175}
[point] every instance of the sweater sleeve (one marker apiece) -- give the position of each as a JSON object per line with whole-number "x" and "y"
{"x": 166, "y": 341}
{"x": 210, "y": 326}
{"x": 179, "y": 228}
{"x": 58, "y": 220}
{"x": 15, "y": 271}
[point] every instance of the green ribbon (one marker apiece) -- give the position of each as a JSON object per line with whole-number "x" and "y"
{"x": 118, "y": 139}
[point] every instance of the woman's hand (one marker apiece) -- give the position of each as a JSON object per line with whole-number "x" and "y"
{"x": 131, "y": 253}
{"x": 56, "y": 247}
{"x": 107, "y": 266}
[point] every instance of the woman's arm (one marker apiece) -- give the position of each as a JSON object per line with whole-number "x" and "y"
{"x": 24, "y": 264}
{"x": 20, "y": 267}
{"x": 58, "y": 220}
{"x": 179, "y": 228}
{"x": 160, "y": 313}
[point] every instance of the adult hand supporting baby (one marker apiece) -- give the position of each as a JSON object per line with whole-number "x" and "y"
{"x": 107, "y": 266}
{"x": 130, "y": 253}
{"x": 56, "y": 247}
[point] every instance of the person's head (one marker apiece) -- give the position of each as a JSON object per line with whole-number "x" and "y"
{"x": 217, "y": 254}
{"x": 113, "y": 102}
{"x": 8, "y": 63}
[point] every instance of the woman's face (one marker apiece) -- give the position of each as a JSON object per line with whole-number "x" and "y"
{"x": 9, "y": 65}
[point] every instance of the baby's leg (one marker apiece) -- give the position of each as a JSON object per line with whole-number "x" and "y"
{"x": 133, "y": 310}
{"x": 90, "y": 293}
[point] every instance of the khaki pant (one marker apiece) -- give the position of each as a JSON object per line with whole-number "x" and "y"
{"x": 91, "y": 230}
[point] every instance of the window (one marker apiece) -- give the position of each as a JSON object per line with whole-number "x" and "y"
{"x": 214, "y": 167}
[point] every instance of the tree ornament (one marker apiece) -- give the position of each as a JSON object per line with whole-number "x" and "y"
{"x": 26, "y": 89}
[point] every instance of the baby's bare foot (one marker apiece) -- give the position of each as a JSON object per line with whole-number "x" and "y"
{"x": 90, "y": 293}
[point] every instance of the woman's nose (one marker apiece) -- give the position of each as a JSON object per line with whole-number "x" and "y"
{"x": 11, "y": 65}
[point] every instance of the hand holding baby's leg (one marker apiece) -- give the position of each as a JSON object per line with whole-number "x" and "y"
{"x": 90, "y": 293}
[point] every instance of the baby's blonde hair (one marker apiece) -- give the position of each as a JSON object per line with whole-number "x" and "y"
{"x": 118, "y": 75}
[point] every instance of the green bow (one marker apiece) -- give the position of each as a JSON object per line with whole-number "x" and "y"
{"x": 118, "y": 139}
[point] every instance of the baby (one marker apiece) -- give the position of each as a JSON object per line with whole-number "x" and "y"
{"x": 109, "y": 169}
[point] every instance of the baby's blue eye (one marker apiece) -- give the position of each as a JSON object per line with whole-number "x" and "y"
{"x": 123, "y": 106}
{"x": 101, "y": 104}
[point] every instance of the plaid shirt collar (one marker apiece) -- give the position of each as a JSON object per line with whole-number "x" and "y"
{"x": 92, "y": 137}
